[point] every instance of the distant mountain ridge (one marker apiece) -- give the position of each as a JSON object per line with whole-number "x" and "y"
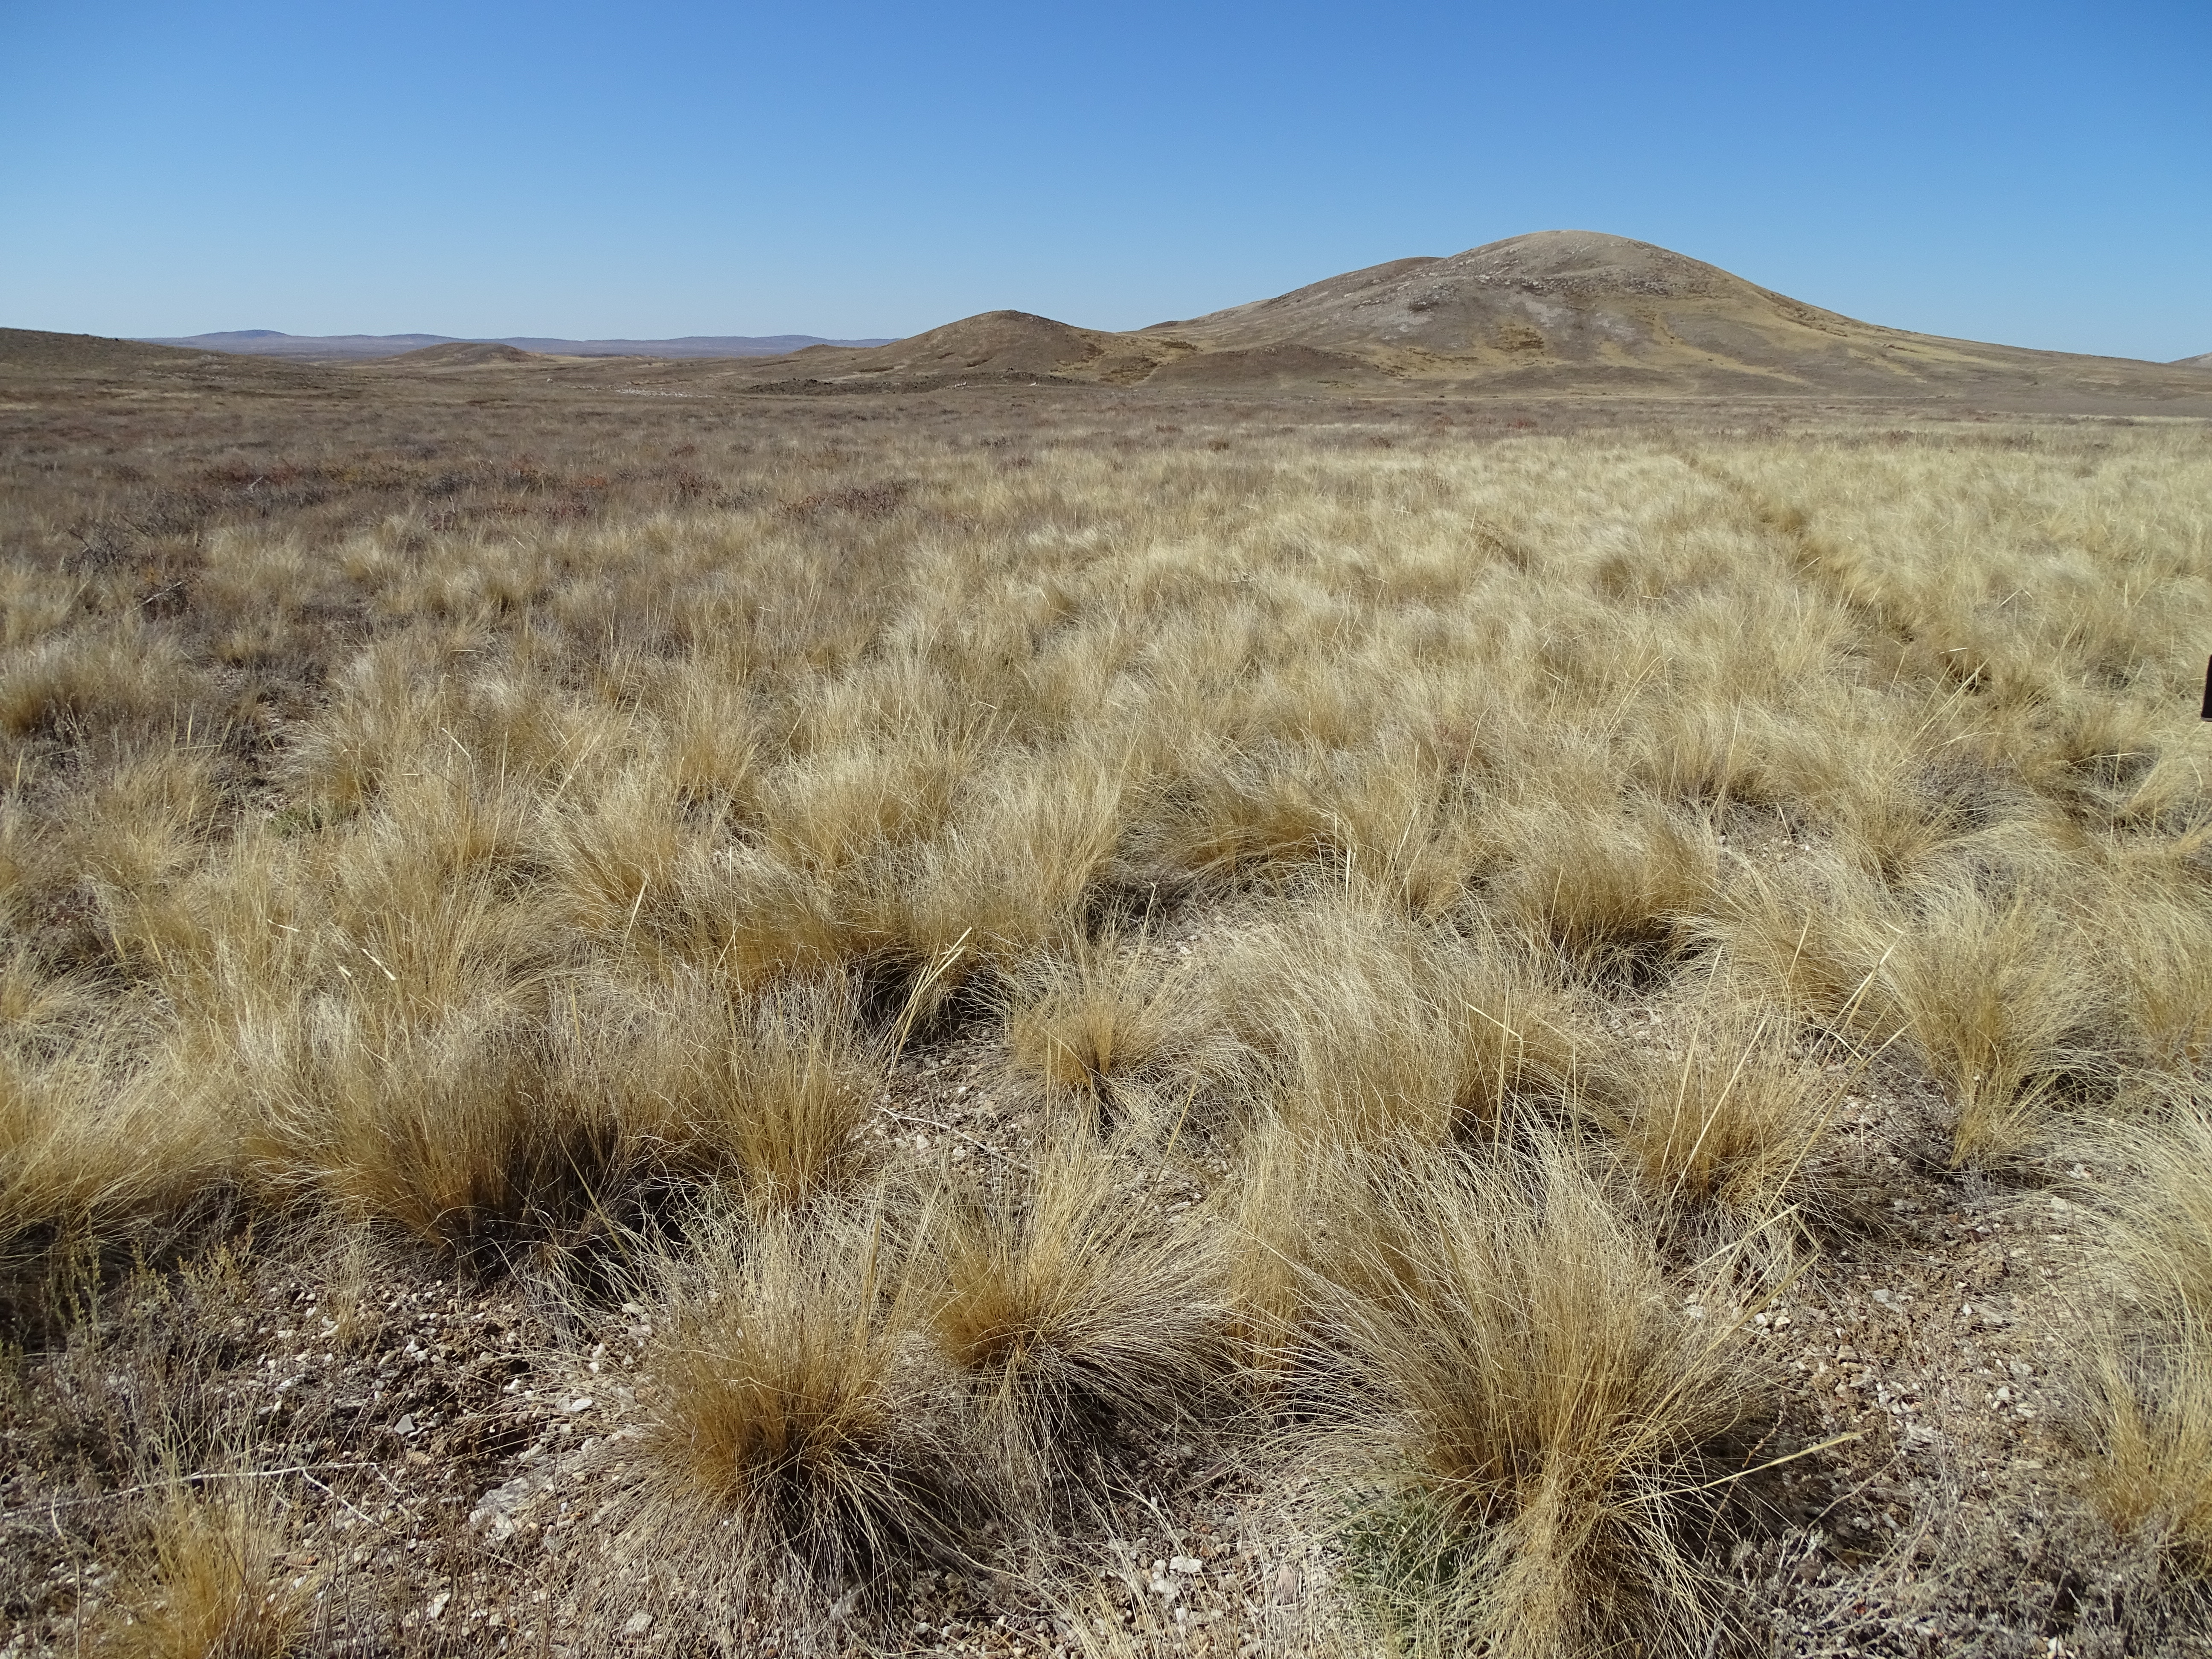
{"x": 324, "y": 348}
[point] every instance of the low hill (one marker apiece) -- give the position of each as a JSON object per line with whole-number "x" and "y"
{"x": 991, "y": 345}
{"x": 2203, "y": 359}
{"x": 313, "y": 348}
{"x": 686, "y": 345}
{"x": 343, "y": 348}
{"x": 463, "y": 354}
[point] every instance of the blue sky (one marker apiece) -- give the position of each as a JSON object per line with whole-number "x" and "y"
{"x": 2038, "y": 172}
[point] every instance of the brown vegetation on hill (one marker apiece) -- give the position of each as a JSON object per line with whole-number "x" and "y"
{"x": 1066, "y": 1021}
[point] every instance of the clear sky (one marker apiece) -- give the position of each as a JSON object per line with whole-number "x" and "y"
{"x": 2035, "y": 172}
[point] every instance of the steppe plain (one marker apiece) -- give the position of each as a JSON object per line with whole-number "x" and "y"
{"x": 1513, "y": 956}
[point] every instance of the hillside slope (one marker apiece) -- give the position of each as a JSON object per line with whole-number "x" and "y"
{"x": 990, "y": 346}
{"x": 37, "y": 357}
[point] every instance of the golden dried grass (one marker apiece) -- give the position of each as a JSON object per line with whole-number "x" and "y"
{"x": 216, "y": 1587}
{"x": 1085, "y": 1321}
{"x": 1370, "y": 1025}
{"x": 1732, "y": 1120}
{"x": 1104, "y": 1017}
{"x": 2146, "y": 1385}
{"x": 510, "y": 863}
{"x": 1544, "y": 1390}
{"x": 786, "y": 1397}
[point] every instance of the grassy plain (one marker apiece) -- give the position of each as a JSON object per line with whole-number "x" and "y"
{"x": 1071, "y": 1021}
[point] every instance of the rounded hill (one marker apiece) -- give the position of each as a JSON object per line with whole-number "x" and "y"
{"x": 1555, "y": 298}
{"x": 987, "y": 344}
{"x": 462, "y": 354}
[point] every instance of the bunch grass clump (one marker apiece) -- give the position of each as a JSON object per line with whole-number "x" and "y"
{"x": 2159, "y": 939}
{"x": 766, "y": 1093}
{"x": 1085, "y": 1321}
{"x": 214, "y": 1584}
{"x": 1730, "y": 1117}
{"x": 1366, "y": 1025}
{"x": 1612, "y": 896}
{"x": 2000, "y": 1006}
{"x": 1107, "y": 1018}
{"x": 106, "y": 1137}
{"x": 791, "y": 1405}
{"x": 1547, "y": 1399}
{"x": 2147, "y": 1383}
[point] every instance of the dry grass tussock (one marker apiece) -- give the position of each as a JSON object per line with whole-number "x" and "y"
{"x": 2146, "y": 1385}
{"x": 791, "y": 1404}
{"x": 1055, "y": 950}
{"x": 1109, "y": 1022}
{"x": 1735, "y": 1120}
{"x": 1552, "y": 1417}
{"x": 218, "y": 1586}
{"x": 1363, "y": 1024}
{"x": 1083, "y": 1322}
